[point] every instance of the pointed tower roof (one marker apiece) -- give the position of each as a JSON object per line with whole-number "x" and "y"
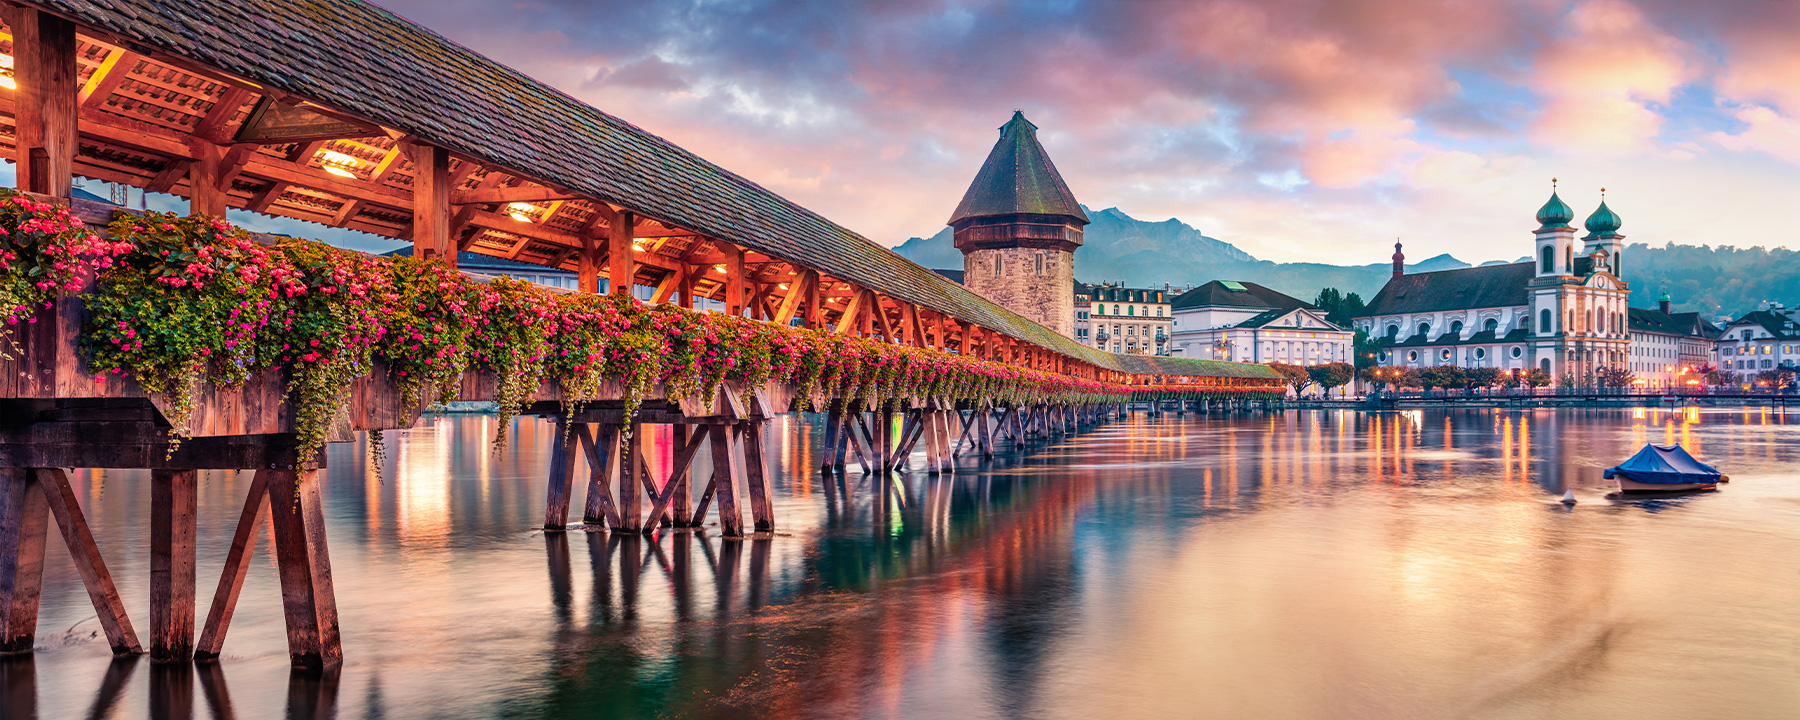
{"x": 1555, "y": 213}
{"x": 1603, "y": 221}
{"x": 1018, "y": 179}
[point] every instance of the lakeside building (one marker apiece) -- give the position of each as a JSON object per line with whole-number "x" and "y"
{"x": 1246, "y": 322}
{"x": 1560, "y": 312}
{"x": 1760, "y": 340}
{"x": 1668, "y": 349}
{"x": 1122, "y": 319}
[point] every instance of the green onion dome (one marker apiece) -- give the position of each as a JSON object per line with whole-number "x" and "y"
{"x": 1555, "y": 213}
{"x": 1603, "y": 221}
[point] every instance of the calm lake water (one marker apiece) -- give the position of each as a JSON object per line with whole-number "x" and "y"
{"x": 1302, "y": 565}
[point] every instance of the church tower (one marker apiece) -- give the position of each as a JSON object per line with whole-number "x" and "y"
{"x": 1018, "y": 227}
{"x": 1603, "y": 234}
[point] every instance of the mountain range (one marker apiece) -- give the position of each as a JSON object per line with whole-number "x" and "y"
{"x": 1118, "y": 248}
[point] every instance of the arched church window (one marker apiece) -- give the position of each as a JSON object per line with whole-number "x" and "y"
{"x": 1544, "y": 364}
{"x": 1569, "y": 260}
{"x": 1544, "y": 320}
{"x": 1456, "y": 328}
{"x": 1493, "y": 325}
{"x": 1424, "y": 328}
{"x": 1619, "y": 264}
{"x": 1393, "y": 331}
{"x": 1549, "y": 259}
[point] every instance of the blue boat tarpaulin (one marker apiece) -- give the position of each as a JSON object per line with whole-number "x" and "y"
{"x": 1663, "y": 465}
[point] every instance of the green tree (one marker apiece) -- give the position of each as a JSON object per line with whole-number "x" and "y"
{"x": 1364, "y": 349}
{"x": 1535, "y": 378}
{"x": 1338, "y": 307}
{"x": 1780, "y": 378}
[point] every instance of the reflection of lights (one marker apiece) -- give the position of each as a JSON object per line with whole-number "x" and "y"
{"x": 720, "y": 269}
{"x": 6, "y": 80}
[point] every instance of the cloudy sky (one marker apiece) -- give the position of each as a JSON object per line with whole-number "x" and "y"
{"x": 1297, "y": 131}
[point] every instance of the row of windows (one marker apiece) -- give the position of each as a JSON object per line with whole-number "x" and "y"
{"x": 1751, "y": 364}
{"x": 1129, "y": 311}
{"x": 1447, "y": 354}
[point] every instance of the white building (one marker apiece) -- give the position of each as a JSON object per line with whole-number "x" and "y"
{"x": 1669, "y": 349}
{"x": 1246, "y": 322}
{"x": 1123, "y": 320}
{"x": 1758, "y": 341}
{"x": 1561, "y": 313}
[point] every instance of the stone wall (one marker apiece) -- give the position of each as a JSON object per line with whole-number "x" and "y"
{"x": 1036, "y": 283}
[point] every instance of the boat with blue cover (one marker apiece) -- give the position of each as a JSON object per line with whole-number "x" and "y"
{"x": 1664, "y": 468}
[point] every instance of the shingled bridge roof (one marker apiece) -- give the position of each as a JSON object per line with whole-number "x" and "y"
{"x": 364, "y": 61}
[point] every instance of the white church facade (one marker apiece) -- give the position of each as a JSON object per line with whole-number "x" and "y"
{"x": 1564, "y": 312}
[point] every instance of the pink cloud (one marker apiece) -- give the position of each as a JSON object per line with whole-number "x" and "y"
{"x": 1600, "y": 76}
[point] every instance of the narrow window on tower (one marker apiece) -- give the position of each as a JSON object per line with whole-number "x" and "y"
{"x": 997, "y": 265}
{"x": 1040, "y": 264}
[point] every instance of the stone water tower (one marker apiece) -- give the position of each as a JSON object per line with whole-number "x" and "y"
{"x": 1018, "y": 227}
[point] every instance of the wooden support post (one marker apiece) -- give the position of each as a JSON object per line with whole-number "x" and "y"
{"x": 681, "y": 504}
{"x": 631, "y": 511}
{"x": 307, "y": 596}
{"x": 727, "y": 468}
{"x": 23, "y": 527}
{"x": 431, "y": 203}
{"x": 45, "y": 102}
{"x": 173, "y": 497}
{"x": 59, "y": 496}
{"x": 588, "y": 264}
{"x": 600, "y": 509}
{"x": 623, "y": 273}
{"x": 834, "y": 421}
{"x": 756, "y": 476}
{"x": 237, "y": 564}
{"x": 205, "y": 197}
{"x": 853, "y": 441}
{"x": 734, "y": 280}
{"x": 562, "y": 477}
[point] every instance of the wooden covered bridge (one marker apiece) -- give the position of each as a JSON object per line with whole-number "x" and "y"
{"x": 340, "y": 113}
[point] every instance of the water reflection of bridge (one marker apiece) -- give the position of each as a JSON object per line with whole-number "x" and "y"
{"x": 310, "y": 694}
{"x": 674, "y": 622}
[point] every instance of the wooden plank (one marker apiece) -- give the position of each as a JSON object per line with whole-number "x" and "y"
{"x": 588, "y": 270}
{"x": 44, "y": 68}
{"x": 519, "y": 193}
{"x": 23, "y": 527}
{"x": 60, "y": 497}
{"x": 853, "y": 312}
{"x": 623, "y": 272}
{"x": 873, "y": 452}
{"x": 756, "y": 476}
{"x": 237, "y": 566}
{"x": 173, "y": 526}
{"x": 600, "y": 510}
{"x": 562, "y": 477}
{"x": 797, "y": 291}
{"x": 308, "y": 600}
{"x": 727, "y": 467}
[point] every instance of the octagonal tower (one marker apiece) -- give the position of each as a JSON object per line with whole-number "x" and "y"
{"x": 1018, "y": 227}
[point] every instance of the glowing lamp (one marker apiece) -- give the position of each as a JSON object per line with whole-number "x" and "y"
{"x": 520, "y": 211}
{"x": 337, "y": 163}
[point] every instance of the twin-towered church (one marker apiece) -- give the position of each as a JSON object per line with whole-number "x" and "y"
{"x": 1564, "y": 311}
